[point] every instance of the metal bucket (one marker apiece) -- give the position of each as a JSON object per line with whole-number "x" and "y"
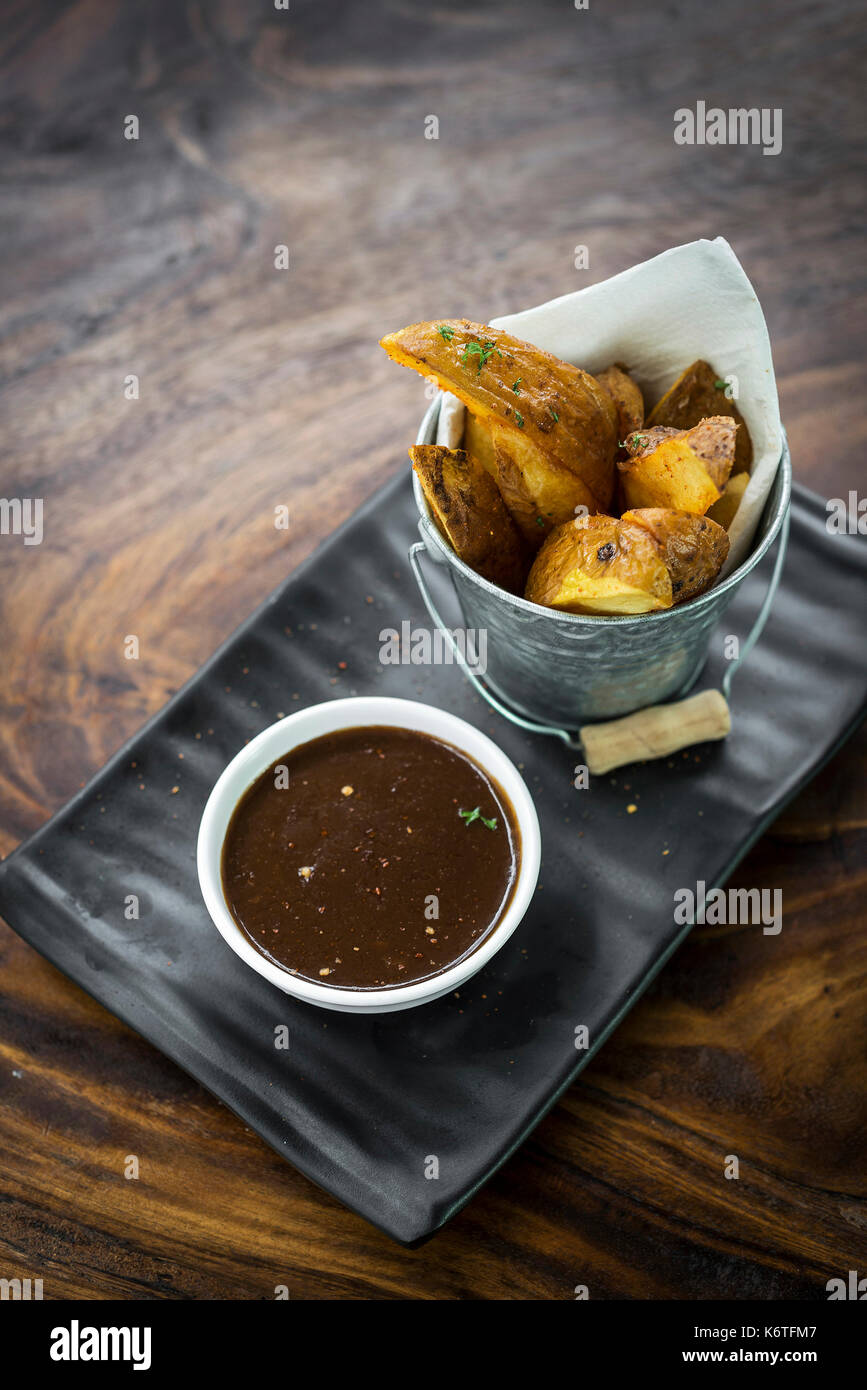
{"x": 568, "y": 669}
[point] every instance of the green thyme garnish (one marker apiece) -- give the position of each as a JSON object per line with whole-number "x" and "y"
{"x": 720, "y": 385}
{"x": 481, "y": 350}
{"x": 470, "y": 816}
{"x": 554, "y": 413}
{"x": 446, "y": 331}
{"x": 639, "y": 441}
{"x": 517, "y": 386}
{"x": 540, "y": 521}
{"x": 519, "y": 419}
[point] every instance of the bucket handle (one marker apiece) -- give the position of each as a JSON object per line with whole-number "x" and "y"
{"x": 414, "y": 555}
{"x": 653, "y": 732}
{"x": 763, "y": 614}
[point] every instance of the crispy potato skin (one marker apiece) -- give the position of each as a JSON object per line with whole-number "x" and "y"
{"x": 600, "y": 565}
{"x": 714, "y": 441}
{"x": 672, "y": 476}
{"x": 692, "y": 548}
{"x": 724, "y": 511}
{"x": 627, "y": 398}
{"x": 645, "y": 440}
{"x": 471, "y": 515}
{"x": 694, "y": 397}
{"x": 556, "y": 434}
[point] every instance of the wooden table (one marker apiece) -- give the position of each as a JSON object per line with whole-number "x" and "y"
{"x": 155, "y": 258}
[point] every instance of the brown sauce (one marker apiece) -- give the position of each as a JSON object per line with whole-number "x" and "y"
{"x": 364, "y": 863}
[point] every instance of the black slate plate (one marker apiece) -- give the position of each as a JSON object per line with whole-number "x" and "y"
{"x": 359, "y": 1104}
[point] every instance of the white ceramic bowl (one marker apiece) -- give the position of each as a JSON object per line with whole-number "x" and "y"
{"x": 258, "y": 755}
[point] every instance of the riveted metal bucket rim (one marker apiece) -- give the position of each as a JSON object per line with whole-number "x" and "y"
{"x": 430, "y": 533}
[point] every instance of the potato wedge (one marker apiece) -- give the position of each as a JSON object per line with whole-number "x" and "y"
{"x": 627, "y": 398}
{"x": 539, "y": 494}
{"x": 598, "y": 564}
{"x": 714, "y": 440}
{"x": 652, "y": 558}
{"x": 692, "y": 548}
{"x": 723, "y": 512}
{"x": 470, "y": 513}
{"x": 517, "y": 473}
{"x": 554, "y": 428}
{"x": 479, "y": 445}
{"x": 695, "y": 396}
{"x": 671, "y": 476}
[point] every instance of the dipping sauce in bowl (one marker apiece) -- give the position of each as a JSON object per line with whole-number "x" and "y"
{"x": 370, "y": 858}
{"x": 442, "y": 824}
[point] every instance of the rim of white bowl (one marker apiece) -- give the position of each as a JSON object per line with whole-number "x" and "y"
{"x": 352, "y": 712}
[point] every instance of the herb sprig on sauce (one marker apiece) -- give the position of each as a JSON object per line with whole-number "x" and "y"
{"x": 469, "y": 816}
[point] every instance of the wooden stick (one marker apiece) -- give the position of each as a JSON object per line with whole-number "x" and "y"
{"x": 656, "y": 731}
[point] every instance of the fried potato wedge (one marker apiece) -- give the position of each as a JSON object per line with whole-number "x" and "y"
{"x": 723, "y": 512}
{"x": 695, "y": 396}
{"x": 627, "y": 398}
{"x": 714, "y": 440}
{"x": 479, "y": 445}
{"x": 652, "y": 558}
{"x": 672, "y": 476}
{"x": 554, "y": 428}
{"x": 470, "y": 513}
{"x": 538, "y": 493}
{"x": 598, "y": 564}
{"x": 526, "y": 484}
{"x": 692, "y": 548}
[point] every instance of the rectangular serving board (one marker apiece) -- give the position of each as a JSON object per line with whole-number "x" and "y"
{"x": 360, "y": 1103}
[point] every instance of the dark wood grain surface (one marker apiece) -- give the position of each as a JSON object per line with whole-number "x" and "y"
{"x": 258, "y": 387}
